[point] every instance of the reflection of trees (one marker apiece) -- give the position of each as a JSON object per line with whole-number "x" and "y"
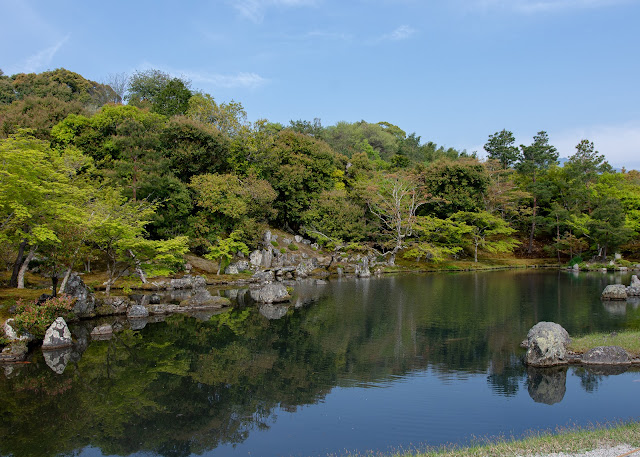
{"x": 185, "y": 386}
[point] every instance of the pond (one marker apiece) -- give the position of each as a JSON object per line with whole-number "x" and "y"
{"x": 379, "y": 364}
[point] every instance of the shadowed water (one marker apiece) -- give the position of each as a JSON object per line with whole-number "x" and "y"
{"x": 352, "y": 365}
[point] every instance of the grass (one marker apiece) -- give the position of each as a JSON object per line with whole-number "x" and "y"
{"x": 573, "y": 440}
{"x": 628, "y": 340}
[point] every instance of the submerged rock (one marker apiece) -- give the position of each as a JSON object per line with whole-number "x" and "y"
{"x": 614, "y": 292}
{"x": 606, "y": 355}
{"x": 546, "y": 345}
{"x": 57, "y": 335}
{"x": 137, "y": 312}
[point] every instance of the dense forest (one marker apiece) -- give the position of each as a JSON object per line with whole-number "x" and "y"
{"x": 139, "y": 169}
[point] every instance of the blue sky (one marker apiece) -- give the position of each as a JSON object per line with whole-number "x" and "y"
{"x": 452, "y": 71}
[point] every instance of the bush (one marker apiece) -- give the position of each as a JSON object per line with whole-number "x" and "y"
{"x": 293, "y": 247}
{"x": 283, "y": 251}
{"x": 274, "y": 244}
{"x": 577, "y": 259}
{"x": 36, "y": 318}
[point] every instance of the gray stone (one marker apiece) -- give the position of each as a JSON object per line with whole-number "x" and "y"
{"x": 84, "y": 304}
{"x": 633, "y": 291}
{"x": 614, "y": 292}
{"x": 635, "y": 282}
{"x": 57, "y": 335}
{"x": 237, "y": 267}
{"x": 138, "y": 323}
{"x": 57, "y": 359}
{"x": 617, "y": 256}
{"x": 161, "y": 309}
{"x": 547, "y": 385}
{"x": 203, "y": 299}
{"x": 137, "y": 312}
{"x": 606, "y": 355}
{"x": 102, "y": 330}
{"x": 305, "y": 267}
{"x": 255, "y": 258}
{"x": 298, "y": 238}
{"x": 188, "y": 282}
{"x": 267, "y": 257}
{"x": 109, "y": 306}
{"x": 188, "y": 267}
{"x": 546, "y": 345}
{"x": 576, "y": 267}
{"x": 321, "y": 282}
{"x": 11, "y": 334}
{"x": 270, "y": 293}
{"x": 286, "y": 241}
{"x": 315, "y": 246}
{"x": 267, "y": 237}
{"x": 14, "y": 352}
{"x": 155, "y": 299}
{"x": 306, "y": 242}
{"x": 263, "y": 276}
{"x": 340, "y": 271}
{"x": 362, "y": 268}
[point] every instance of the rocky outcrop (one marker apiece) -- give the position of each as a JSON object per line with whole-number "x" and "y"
{"x": 203, "y": 299}
{"x": 362, "y": 268}
{"x": 109, "y": 306}
{"x": 270, "y": 293}
{"x": 634, "y": 289}
{"x": 57, "y": 335}
{"x": 84, "y": 304}
{"x": 237, "y": 267}
{"x": 11, "y": 334}
{"x": 187, "y": 282}
{"x": 614, "y": 292}
{"x": 546, "y": 345}
{"x": 14, "y": 352}
{"x": 606, "y": 355}
{"x": 137, "y": 312}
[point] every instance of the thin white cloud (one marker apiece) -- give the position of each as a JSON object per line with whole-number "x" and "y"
{"x": 541, "y": 6}
{"x": 247, "y": 80}
{"x": 254, "y": 10}
{"x": 401, "y": 33}
{"x": 40, "y": 60}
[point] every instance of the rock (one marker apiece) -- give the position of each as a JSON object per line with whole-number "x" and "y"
{"x": 635, "y": 282}
{"x": 623, "y": 269}
{"x": 305, "y": 267}
{"x": 188, "y": 282}
{"x": 188, "y": 267}
{"x": 203, "y": 299}
{"x": 546, "y": 345}
{"x": 255, "y": 258}
{"x": 267, "y": 236}
{"x": 101, "y": 331}
{"x": 263, "y": 276}
{"x": 237, "y": 267}
{"x": 298, "y": 238}
{"x": 617, "y": 256}
{"x": 321, "y": 282}
{"x": 287, "y": 241}
{"x": 267, "y": 257}
{"x": 137, "y": 312}
{"x": 57, "y": 335}
{"x": 306, "y": 242}
{"x": 576, "y": 267}
{"x": 604, "y": 270}
{"x": 314, "y": 246}
{"x": 362, "y": 269}
{"x": 273, "y": 312}
{"x": 84, "y": 304}
{"x": 14, "y": 352}
{"x": 633, "y": 291}
{"x": 547, "y": 385}
{"x": 614, "y": 292}
{"x": 155, "y": 299}
{"x": 12, "y": 334}
{"x": 606, "y": 355}
{"x": 57, "y": 359}
{"x": 340, "y": 271}
{"x": 163, "y": 309}
{"x": 109, "y": 306}
{"x": 138, "y": 323}
{"x": 270, "y": 293}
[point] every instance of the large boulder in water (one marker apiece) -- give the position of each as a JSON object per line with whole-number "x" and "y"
{"x": 271, "y": 293}
{"x": 84, "y": 304}
{"x": 606, "y": 355}
{"x": 614, "y": 292}
{"x": 57, "y": 335}
{"x": 546, "y": 345}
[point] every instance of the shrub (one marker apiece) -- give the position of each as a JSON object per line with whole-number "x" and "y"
{"x": 36, "y": 318}
{"x": 293, "y": 247}
{"x": 577, "y": 259}
{"x": 283, "y": 251}
{"x": 274, "y": 244}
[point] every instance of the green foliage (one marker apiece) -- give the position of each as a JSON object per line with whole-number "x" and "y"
{"x": 488, "y": 232}
{"x": 173, "y": 99}
{"x": 293, "y": 247}
{"x": 36, "y": 318}
{"x": 224, "y": 250}
{"x": 274, "y": 243}
{"x": 501, "y": 147}
{"x": 336, "y": 215}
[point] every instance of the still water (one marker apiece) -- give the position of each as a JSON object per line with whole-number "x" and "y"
{"x": 352, "y": 365}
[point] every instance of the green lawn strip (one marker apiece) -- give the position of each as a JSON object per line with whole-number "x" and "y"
{"x": 573, "y": 440}
{"x": 628, "y": 340}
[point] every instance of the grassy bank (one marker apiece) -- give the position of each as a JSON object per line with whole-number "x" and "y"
{"x": 575, "y": 440}
{"x": 629, "y": 340}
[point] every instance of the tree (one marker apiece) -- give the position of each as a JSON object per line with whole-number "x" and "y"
{"x": 229, "y": 118}
{"x": 119, "y": 83}
{"x": 173, "y": 99}
{"x": 607, "y": 226}
{"x": 501, "y": 147}
{"x": 487, "y": 231}
{"x": 145, "y": 86}
{"x": 224, "y": 250}
{"x": 37, "y": 189}
{"x": 438, "y": 239}
{"x": 118, "y": 230}
{"x": 534, "y": 160}
{"x": 394, "y": 200}
{"x": 337, "y": 216}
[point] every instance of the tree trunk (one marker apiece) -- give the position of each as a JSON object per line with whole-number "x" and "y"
{"x": 63, "y": 284}
{"x": 139, "y": 270}
{"x": 54, "y": 285}
{"x": 25, "y": 265}
{"x": 17, "y": 264}
{"x": 558, "y": 236}
{"x": 475, "y": 254}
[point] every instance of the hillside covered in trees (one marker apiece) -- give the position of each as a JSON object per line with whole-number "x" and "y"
{"x": 138, "y": 170}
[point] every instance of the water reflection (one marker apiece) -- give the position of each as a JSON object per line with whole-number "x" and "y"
{"x": 186, "y": 386}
